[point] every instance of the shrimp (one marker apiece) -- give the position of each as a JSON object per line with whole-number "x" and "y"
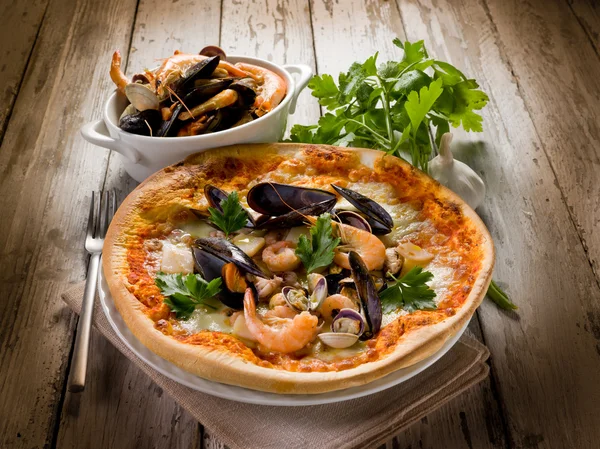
{"x": 116, "y": 75}
{"x": 271, "y": 91}
{"x": 280, "y": 256}
{"x": 367, "y": 245}
{"x": 280, "y": 312}
{"x": 333, "y": 304}
{"x": 287, "y": 335}
{"x": 223, "y": 99}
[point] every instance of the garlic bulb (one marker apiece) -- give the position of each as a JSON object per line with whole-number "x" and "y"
{"x": 456, "y": 175}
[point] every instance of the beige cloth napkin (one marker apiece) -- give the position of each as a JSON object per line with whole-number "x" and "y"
{"x": 364, "y": 422}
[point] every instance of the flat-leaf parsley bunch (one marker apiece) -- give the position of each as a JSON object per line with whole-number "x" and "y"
{"x": 391, "y": 106}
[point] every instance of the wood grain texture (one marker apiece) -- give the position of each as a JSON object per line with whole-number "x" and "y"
{"x": 542, "y": 356}
{"x": 46, "y": 176}
{"x": 16, "y": 49}
{"x": 473, "y": 419}
{"x": 276, "y": 30}
{"x": 557, "y": 71}
{"x": 117, "y": 412}
{"x": 588, "y": 16}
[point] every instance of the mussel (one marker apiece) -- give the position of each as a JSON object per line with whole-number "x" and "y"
{"x": 295, "y": 217}
{"x": 353, "y": 219}
{"x": 367, "y": 293}
{"x": 143, "y": 123}
{"x": 246, "y": 88}
{"x": 379, "y": 219}
{"x": 202, "y": 69}
{"x": 301, "y": 300}
{"x": 227, "y": 251}
{"x": 205, "y": 90}
{"x": 211, "y": 267}
{"x": 346, "y": 328}
{"x": 167, "y": 125}
{"x": 273, "y": 199}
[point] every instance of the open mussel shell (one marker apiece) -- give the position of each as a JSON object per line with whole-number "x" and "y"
{"x": 211, "y": 267}
{"x": 246, "y": 88}
{"x": 296, "y": 217}
{"x": 353, "y": 219}
{"x": 206, "y": 264}
{"x": 202, "y": 69}
{"x": 333, "y": 281}
{"x": 143, "y": 123}
{"x": 213, "y": 50}
{"x": 367, "y": 206}
{"x": 207, "y": 89}
{"x": 367, "y": 293}
{"x": 214, "y": 196}
{"x": 273, "y": 199}
{"x": 141, "y": 97}
{"x": 227, "y": 251}
{"x": 167, "y": 125}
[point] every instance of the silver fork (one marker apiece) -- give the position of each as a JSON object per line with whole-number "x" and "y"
{"x": 102, "y": 209}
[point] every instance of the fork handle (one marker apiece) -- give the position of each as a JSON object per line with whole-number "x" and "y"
{"x": 84, "y": 327}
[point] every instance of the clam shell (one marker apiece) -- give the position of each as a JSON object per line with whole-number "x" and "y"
{"x": 338, "y": 340}
{"x": 141, "y": 97}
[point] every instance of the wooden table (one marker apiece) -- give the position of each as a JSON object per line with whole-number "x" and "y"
{"x": 540, "y": 157}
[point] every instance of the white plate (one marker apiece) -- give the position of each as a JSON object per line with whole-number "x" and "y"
{"x": 252, "y": 396}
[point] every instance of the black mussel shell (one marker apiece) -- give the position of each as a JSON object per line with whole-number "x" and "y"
{"x": 273, "y": 199}
{"x": 367, "y": 293}
{"x": 367, "y": 206}
{"x": 166, "y": 125}
{"x": 214, "y": 196}
{"x": 138, "y": 123}
{"x": 213, "y": 50}
{"x": 227, "y": 251}
{"x": 353, "y": 219}
{"x": 333, "y": 281}
{"x": 202, "y": 69}
{"x": 246, "y": 88}
{"x": 204, "y": 91}
{"x": 296, "y": 217}
{"x": 246, "y": 117}
{"x": 211, "y": 267}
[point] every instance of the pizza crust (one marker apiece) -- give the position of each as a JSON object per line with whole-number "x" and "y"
{"x": 224, "y": 367}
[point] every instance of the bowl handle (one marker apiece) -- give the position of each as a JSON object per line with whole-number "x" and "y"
{"x": 304, "y": 73}
{"x": 96, "y": 133}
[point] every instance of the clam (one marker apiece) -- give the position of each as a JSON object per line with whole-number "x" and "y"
{"x": 379, "y": 219}
{"x": 367, "y": 293}
{"x": 213, "y": 50}
{"x": 141, "y": 97}
{"x": 273, "y": 199}
{"x": 142, "y": 123}
{"x": 301, "y": 300}
{"x": 227, "y": 251}
{"x": 346, "y": 329}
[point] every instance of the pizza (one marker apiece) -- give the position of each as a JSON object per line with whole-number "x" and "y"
{"x": 295, "y": 268}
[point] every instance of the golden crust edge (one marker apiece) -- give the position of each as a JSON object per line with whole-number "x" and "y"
{"x": 223, "y": 367}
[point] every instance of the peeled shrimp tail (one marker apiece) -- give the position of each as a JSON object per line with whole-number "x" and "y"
{"x": 116, "y": 75}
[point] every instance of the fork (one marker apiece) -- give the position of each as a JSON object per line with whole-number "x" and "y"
{"x": 102, "y": 209}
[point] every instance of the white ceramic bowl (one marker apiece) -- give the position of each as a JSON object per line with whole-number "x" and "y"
{"x": 144, "y": 155}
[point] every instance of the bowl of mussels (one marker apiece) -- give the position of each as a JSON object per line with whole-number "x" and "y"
{"x": 192, "y": 102}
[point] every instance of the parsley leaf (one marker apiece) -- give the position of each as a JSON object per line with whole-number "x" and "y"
{"x": 410, "y": 292}
{"x": 232, "y": 216}
{"x": 185, "y": 293}
{"x": 317, "y": 251}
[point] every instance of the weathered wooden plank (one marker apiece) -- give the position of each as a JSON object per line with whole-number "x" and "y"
{"x": 17, "y": 44}
{"x": 588, "y": 15}
{"x": 130, "y": 410}
{"x": 557, "y": 73}
{"x": 542, "y": 357}
{"x": 47, "y": 173}
{"x": 352, "y": 31}
{"x": 276, "y": 30}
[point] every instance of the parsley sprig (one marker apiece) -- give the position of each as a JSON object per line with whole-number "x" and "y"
{"x": 185, "y": 293}
{"x": 410, "y": 292}
{"x": 391, "y": 106}
{"x": 318, "y": 251}
{"x": 232, "y": 216}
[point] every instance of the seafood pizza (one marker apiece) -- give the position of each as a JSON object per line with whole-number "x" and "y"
{"x": 295, "y": 268}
